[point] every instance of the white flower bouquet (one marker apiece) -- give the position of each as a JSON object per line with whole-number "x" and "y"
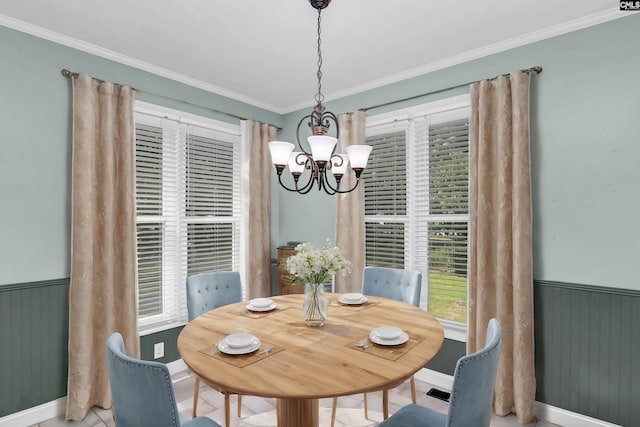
{"x": 311, "y": 265}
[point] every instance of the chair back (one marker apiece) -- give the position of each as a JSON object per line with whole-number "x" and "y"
{"x": 474, "y": 380}
{"x": 142, "y": 391}
{"x": 206, "y": 291}
{"x": 393, "y": 283}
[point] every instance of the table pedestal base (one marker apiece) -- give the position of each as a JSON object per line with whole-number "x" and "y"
{"x": 298, "y": 412}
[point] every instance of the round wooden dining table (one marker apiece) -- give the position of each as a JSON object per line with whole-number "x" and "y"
{"x": 299, "y": 364}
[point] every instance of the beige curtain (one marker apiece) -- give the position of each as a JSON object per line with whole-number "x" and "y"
{"x": 350, "y": 232}
{"x": 500, "y": 265}
{"x": 256, "y": 202}
{"x": 102, "y": 294}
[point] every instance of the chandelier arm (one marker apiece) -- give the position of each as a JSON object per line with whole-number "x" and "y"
{"x": 307, "y": 187}
{"x": 307, "y": 160}
{"x": 303, "y": 190}
{"x": 339, "y": 161}
{"x": 324, "y": 120}
{"x": 283, "y": 185}
{"x": 310, "y": 117}
{"x": 337, "y": 190}
{"x": 328, "y": 188}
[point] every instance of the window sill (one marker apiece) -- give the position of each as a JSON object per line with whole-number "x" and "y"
{"x": 454, "y": 330}
{"x": 157, "y": 327}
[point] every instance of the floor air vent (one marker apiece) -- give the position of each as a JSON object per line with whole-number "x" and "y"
{"x": 439, "y": 394}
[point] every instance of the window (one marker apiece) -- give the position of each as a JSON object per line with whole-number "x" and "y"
{"x": 187, "y": 207}
{"x": 416, "y": 200}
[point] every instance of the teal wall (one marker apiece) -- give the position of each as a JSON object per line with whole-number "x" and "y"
{"x": 585, "y": 151}
{"x": 35, "y": 118}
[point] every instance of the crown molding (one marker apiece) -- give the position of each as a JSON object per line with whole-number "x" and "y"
{"x": 555, "y": 30}
{"x": 93, "y": 49}
{"x": 566, "y": 27}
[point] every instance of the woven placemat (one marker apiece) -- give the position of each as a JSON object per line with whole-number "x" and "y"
{"x": 334, "y": 302}
{"x": 389, "y": 352}
{"x": 244, "y": 311}
{"x": 242, "y": 360}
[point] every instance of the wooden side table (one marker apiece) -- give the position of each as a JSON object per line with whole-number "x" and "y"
{"x": 286, "y": 286}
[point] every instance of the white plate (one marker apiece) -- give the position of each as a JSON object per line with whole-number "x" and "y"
{"x": 352, "y": 302}
{"x": 403, "y": 338}
{"x": 251, "y": 307}
{"x": 239, "y": 340}
{"x": 352, "y": 297}
{"x": 261, "y": 302}
{"x": 225, "y": 348}
{"x": 387, "y": 332}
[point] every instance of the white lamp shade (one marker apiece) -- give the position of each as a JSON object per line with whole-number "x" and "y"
{"x": 280, "y": 152}
{"x": 322, "y": 147}
{"x": 293, "y": 164}
{"x": 342, "y": 169}
{"x": 358, "y": 155}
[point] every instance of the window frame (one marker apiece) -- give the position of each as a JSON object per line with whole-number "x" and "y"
{"x": 175, "y": 269}
{"x": 442, "y": 110}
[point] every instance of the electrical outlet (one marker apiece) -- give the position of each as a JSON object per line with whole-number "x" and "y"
{"x": 158, "y": 350}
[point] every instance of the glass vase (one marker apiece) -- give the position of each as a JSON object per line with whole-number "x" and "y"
{"x": 316, "y": 305}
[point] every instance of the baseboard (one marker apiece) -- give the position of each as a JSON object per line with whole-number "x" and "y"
{"x": 565, "y": 418}
{"x": 35, "y": 415}
{"x": 544, "y": 412}
{"x": 435, "y": 378}
{"x": 177, "y": 366}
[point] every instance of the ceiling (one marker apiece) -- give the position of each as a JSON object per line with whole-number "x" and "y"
{"x": 265, "y": 52}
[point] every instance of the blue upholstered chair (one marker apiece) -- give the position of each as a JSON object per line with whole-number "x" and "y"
{"x": 142, "y": 391}
{"x": 393, "y": 283}
{"x": 205, "y": 292}
{"x": 471, "y": 396}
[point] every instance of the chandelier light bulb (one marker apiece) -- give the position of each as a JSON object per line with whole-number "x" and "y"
{"x": 280, "y": 152}
{"x": 322, "y": 147}
{"x": 294, "y": 166}
{"x": 359, "y": 155}
{"x": 339, "y": 164}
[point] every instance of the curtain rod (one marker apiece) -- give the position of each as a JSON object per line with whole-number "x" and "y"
{"x": 70, "y": 74}
{"x": 536, "y": 69}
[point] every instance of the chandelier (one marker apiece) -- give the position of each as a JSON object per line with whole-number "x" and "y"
{"x": 322, "y": 157}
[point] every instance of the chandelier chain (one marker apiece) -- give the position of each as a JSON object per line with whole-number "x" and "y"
{"x": 319, "y": 96}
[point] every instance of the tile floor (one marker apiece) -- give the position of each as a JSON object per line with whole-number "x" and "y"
{"x": 260, "y": 412}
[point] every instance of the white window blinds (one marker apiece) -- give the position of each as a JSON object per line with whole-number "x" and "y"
{"x": 416, "y": 200}
{"x": 187, "y": 209}
{"x": 386, "y": 196}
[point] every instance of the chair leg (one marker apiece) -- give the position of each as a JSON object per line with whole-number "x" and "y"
{"x": 196, "y": 393}
{"x": 333, "y": 411}
{"x": 385, "y": 404}
{"x": 366, "y": 409}
{"x": 239, "y": 405}
{"x": 413, "y": 390}
{"x": 227, "y": 410}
